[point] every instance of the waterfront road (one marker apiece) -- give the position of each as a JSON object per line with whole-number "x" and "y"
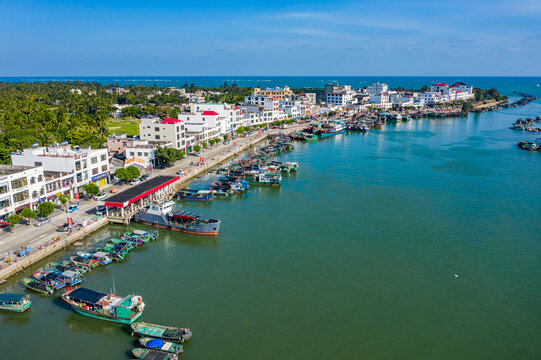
{"x": 23, "y": 236}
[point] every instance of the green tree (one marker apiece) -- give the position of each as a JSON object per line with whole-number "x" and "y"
{"x": 197, "y": 148}
{"x": 168, "y": 155}
{"x": 204, "y": 143}
{"x": 212, "y": 142}
{"x": 122, "y": 174}
{"x": 45, "y": 209}
{"x": 63, "y": 199}
{"x": 133, "y": 172}
{"x": 13, "y": 220}
{"x": 28, "y": 214}
{"x": 91, "y": 189}
{"x": 226, "y": 137}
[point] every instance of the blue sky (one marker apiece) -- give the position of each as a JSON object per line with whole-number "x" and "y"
{"x": 257, "y": 38}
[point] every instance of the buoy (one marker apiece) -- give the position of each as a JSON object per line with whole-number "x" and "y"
{"x": 456, "y": 275}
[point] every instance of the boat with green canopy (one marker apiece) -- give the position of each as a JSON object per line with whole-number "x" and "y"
{"x": 170, "y": 333}
{"x": 104, "y": 306}
{"x": 150, "y": 354}
{"x": 160, "y": 345}
{"x": 15, "y": 302}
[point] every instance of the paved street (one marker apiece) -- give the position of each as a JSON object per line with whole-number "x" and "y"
{"x": 23, "y": 236}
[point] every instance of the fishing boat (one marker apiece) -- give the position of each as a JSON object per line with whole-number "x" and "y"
{"x": 104, "y": 306}
{"x": 169, "y": 333}
{"x": 101, "y": 257}
{"x": 160, "y": 345}
{"x": 198, "y": 195}
{"x": 60, "y": 268}
{"x": 71, "y": 277}
{"x": 50, "y": 277}
{"x": 37, "y": 286}
{"x": 16, "y": 302}
{"x": 328, "y": 129}
{"x": 150, "y": 354}
{"x": 84, "y": 261}
{"x": 264, "y": 179}
{"x": 164, "y": 216}
{"x": 79, "y": 267}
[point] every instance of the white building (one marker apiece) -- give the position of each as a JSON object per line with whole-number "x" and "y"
{"x": 341, "y": 98}
{"x": 87, "y": 164}
{"x": 168, "y": 130}
{"x": 377, "y": 88}
{"x": 20, "y": 187}
{"x": 267, "y": 109}
{"x": 205, "y": 125}
{"x": 230, "y": 114}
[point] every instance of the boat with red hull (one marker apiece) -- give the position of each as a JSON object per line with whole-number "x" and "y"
{"x": 163, "y": 216}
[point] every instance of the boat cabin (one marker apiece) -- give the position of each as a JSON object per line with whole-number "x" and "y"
{"x": 71, "y": 277}
{"x": 14, "y": 302}
{"x": 202, "y": 195}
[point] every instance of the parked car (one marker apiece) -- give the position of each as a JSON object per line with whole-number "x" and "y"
{"x": 73, "y": 208}
{"x": 100, "y": 210}
{"x": 144, "y": 177}
{"x": 42, "y": 221}
{"x": 135, "y": 182}
{"x": 100, "y": 196}
{"x": 63, "y": 228}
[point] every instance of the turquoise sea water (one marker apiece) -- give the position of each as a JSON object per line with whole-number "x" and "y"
{"x": 354, "y": 257}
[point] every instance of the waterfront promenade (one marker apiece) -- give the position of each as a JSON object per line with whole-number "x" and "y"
{"x": 45, "y": 240}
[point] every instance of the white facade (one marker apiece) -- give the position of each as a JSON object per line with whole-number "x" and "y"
{"x": 88, "y": 165}
{"x": 342, "y": 99}
{"x": 377, "y": 88}
{"x": 20, "y": 187}
{"x": 230, "y": 114}
{"x": 168, "y": 130}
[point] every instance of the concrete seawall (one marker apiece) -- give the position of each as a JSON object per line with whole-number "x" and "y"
{"x": 55, "y": 245}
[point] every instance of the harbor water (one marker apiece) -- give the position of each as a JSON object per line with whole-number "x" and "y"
{"x": 417, "y": 241}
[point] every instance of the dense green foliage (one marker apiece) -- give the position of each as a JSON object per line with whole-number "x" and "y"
{"x": 230, "y": 94}
{"x": 45, "y": 208}
{"x": 169, "y": 155}
{"x": 91, "y": 189}
{"x": 488, "y": 94}
{"x": 28, "y": 213}
{"x": 13, "y": 220}
{"x": 127, "y": 174}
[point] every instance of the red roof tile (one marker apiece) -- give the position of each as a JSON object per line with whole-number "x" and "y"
{"x": 170, "y": 121}
{"x": 213, "y": 113}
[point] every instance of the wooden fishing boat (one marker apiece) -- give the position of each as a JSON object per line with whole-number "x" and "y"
{"x": 101, "y": 257}
{"x": 198, "y": 195}
{"x": 80, "y": 268}
{"x": 37, "y": 286}
{"x": 84, "y": 261}
{"x": 61, "y": 268}
{"x": 71, "y": 277}
{"x": 18, "y": 303}
{"x": 160, "y": 345}
{"x": 149, "y": 354}
{"x": 50, "y": 277}
{"x": 170, "y": 333}
{"x": 104, "y": 306}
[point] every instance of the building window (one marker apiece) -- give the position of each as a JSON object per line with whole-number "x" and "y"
{"x": 77, "y": 165}
{"x": 19, "y": 183}
{"x": 103, "y": 157}
{"x": 32, "y": 180}
{"x": 156, "y": 129}
{"x": 85, "y": 165}
{"x": 104, "y": 168}
{"x": 94, "y": 160}
{"x": 157, "y": 137}
{"x": 95, "y": 171}
{"x": 79, "y": 177}
{"x": 139, "y": 153}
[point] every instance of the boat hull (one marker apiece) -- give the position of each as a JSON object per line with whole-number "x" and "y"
{"x": 160, "y": 221}
{"x": 96, "y": 315}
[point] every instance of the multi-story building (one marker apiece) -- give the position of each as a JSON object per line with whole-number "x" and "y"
{"x": 377, "y": 88}
{"x": 278, "y": 93}
{"x": 334, "y": 88}
{"x": 168, "y": 130}
{"x": 229, "y": 113}
{"x": 117, "y": 143}
{"x": 87, "y": 164}
{"x": 20, "y": 187}
{"x": 341, "y": 98}
{"x": 205, "y": 125}
{"x": 145, "y": 151}
{"x": 293, "y": 109}
{"x": 266, "y": 108}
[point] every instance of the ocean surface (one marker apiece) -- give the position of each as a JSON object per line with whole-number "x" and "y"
{"x": 418, "y": 241}
{"x": 506, "y": 85}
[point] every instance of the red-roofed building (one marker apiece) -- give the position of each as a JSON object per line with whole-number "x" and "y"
{"x": 210, "y": 113}
{"x": 171, "y": 121}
